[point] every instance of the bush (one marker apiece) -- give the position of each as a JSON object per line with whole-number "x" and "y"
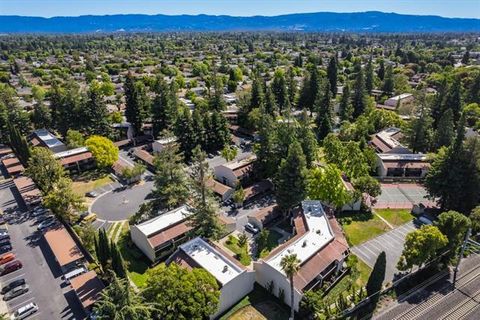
{"x": 281, "y": 295}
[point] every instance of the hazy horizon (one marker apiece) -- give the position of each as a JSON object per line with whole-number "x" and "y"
{"x": 246, "y": 8}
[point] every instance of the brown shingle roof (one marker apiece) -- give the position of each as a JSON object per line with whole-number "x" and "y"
{"x": 27, "y": 189}
{"x": 63, "y": 247}
{"x": 76, "y": 158}
{"x": 87, "y": 288}
{"x": 168, "y": 234}
{"x": 266, "y": 214}
{"x": 5, "y": 150}
{"x": 217, "y": 187}
{"x": 258, "y": 188}
{"x": 144, "y": 155}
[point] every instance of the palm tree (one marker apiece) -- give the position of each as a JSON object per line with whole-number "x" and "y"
{"x": 290, "y": 264}
{"x": 119, "y": 302}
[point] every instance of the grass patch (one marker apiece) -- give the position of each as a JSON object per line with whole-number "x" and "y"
{"x": 360, "y": 227}
{"x": 241, "y": 253}
{"x": 396, "y": 217}
{"x": 272, "y": 243}
{"x": 258, "y": 305}
{"x": 136, "y": 262}
{"x": 90, "y": 181}
{"x": 360, "y": 278}
{"x": 112, "y": 231}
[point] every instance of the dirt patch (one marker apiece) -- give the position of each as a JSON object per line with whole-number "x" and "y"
{"x": 261, "y": 311}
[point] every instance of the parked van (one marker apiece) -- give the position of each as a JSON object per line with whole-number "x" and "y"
{"x": 74, "y": 273}
{"x": 90, "y": 218}
{"x": 25, "y": 311}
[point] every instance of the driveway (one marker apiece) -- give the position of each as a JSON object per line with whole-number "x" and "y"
{"x": 391, "y": 242}
{"x": 240, "y": 215}
{"x": 40, "y": 270}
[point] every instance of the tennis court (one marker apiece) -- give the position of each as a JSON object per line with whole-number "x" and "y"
{"x": 402, "y": 196}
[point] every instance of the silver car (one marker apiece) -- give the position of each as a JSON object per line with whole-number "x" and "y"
{"x": 15, "y": 292}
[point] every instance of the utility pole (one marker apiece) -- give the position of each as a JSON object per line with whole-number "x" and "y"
{"x": 464, "y": 244}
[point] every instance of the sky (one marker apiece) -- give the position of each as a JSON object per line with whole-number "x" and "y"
{"x": 49, "y": 8}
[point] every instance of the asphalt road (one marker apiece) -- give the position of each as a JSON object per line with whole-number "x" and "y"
{"x": 442, "y": 300}
{"x": 391, "y": 242}
{"x": 40, "y": 270}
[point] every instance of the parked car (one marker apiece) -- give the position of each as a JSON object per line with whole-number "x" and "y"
{"x": 25, "y": 311}
{"x": 12, "y": 285}
{"x": 92, "y": 194}
{"x": 5, "y": 248}
{"x": 15, "y": 292}
{"x": 5, "y": 242}
{"x": 45, "y": 218}
{"x": 423, "y": 220}
{"x": 47, "y": 224}
{"x": 90, "y": 218}
{"x": 7, "y": 258}
{"x": 3, "y": 220}
{"x": 4, "y": 236}
{"x": 10, "y": 267}
{"x": 250, "y": 227}
{"x": 40, "y": 212}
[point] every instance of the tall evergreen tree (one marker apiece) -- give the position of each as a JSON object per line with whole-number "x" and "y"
{"x": 270, "y": 102}
{"x": 292, "y": 86}
{"x": 257, "y": 97}
{"x": 453, "y": 99}
{"x": 137, "y": 103}
{"x": 216, "y": 101}
{"x": 291, "y": 179}
{"x": 381, "y": 70}
{"x": 359, "y": 100}
{"x": 95, "y": 112}
{"x": 266, "y": 164}
{"x": 445, "y": 130}
{"x": 388, "y": 82}
{"x": 103, "y": 253}
{"x": 332, "y": 75}
{"x": 369, "y": 76}
{"x": 118, "y": 265}
{"x": 186, "y": 135}
{"x": 279, "y": 89}
{"x": 41, "y": 116}
{"x": 346, "y": 108}
{"x": 324, "y": 113}
{"x": 421, "y": 132}
{"x": 307, "y": 139}
{"x": 164, "y": 108}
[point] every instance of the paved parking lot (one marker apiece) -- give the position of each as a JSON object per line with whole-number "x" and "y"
{"x": 391, "y": 242}
{"x": 402, "y": 195}
{"x": 40, "y": 270}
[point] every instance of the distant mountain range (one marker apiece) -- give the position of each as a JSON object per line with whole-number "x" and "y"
{"x": 309, "y": 22}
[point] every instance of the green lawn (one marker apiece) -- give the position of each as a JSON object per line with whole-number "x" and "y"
{"x": 360, "y": 227}
{"x": 396, "y": 217}
{"x": 360, "y": 280}
{"x": 258, "y": 305}
{"x": 89, "y": 181}
{"x": 241, "y": 253}
{"x": 137, "y": 263}
{"x": 272, "y": 243}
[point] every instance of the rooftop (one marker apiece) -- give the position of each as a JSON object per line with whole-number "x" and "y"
{"x": 47, "y": 138}
{"x": 87, "y": 287}
{"x": 164, "y": 221}
{"x": 401, "y": 96}
{"x": 235, "y": 165}
{"x": 212, "y": 260}
{"x": 63, "y": 247}
{"x": 402, "y": 157}
{"x": 71, "y": 152}
{"x": 166, "y": 140}
{"x": 318, "y": 235}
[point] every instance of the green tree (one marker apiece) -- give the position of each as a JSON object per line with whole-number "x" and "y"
{"x": 103, "y": 150}
{"x": 204, "y": 219}
{"x": 421, "y": 246}
{"x": 171, "y": 181}
{"x": 291, "y": 182}
{"x": 368, "y": 185}
{"x": 19, "y": 143}
{"x": 332, "y": 75}
{"x": 63, "y": 202}
{"x": 453, "y": 99}
{"x": 369, "y": 76}
{"x": 359, "y": 99}
{"x": 75, "y": 139}
{"x": 279, "y": 89}
{"x": 118, "y": 265}
{"x": 229, "y": 153}
{"x": 44, "y": 169}
{"x": 381, "y": 70}
{"x": 290, "y": 264}
{"x": 216, "y": 101}
{"x": 475, "y": 218}
{"x": 239, "y": 195}
{"x": 118, "y": 301}
{"x": 308, "y": 140}
{"x": 164, "y": 106}
{"x": 453, "y": 225}
{"x": 41, "y": 116}
{"x": 186, "y": 135}
{"x": 421, "y": 132}
{"x": 388, "y": 82}
{"x": 324, "y": 113}
{"x": 95, "y": 112}
{"x": 137, "y": 103}
{"x": 326, "y": 184}
{"x": 102, "y": 249}
{"x": 181, "y": 294}
{"x": 445, "y": 133}
{"x": 346, "y": 108}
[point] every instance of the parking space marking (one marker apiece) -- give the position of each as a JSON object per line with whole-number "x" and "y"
{"x": 11, "y": 279}
{"x": 390, "y": 241}
{"x": 21, "y": 296}
{"x": 21, "y": 304}
{"x": 364, "y": 254}
{"x": 394, "y": 236}
{"x": 375, "y": 246}
{"x": 374, "y": 254}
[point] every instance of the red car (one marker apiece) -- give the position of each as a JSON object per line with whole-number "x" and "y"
{"x": 10, "y": 267}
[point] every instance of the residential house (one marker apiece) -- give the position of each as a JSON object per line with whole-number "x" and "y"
{"x": 224, "y": 192}
{"x": 159, "y": 145}
{"x": 235, "y": 280}
{"x": 400, "y": 101}
{"x": 235, "y": 172}
{"x": 159, "y": 237}
{"x": 76, "y": 160}
{"x": 264, "y": 216}
{"x": 387, "y": 141}
{"x": 320, "y": 246}
{"x": 402, "y": 165}
{"x": 43, "y": 138}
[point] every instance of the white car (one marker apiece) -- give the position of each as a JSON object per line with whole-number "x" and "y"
{"x": 25, "y": 311}
{"x": 47, "y": 224}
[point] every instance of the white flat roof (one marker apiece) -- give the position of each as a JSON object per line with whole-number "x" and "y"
{"x": 318, "y": 235}
{"x": 70, "y": 152}
{"x": 233, "y": 165}
{"x": 49, "y": 139}
{"x": 163, "y": 221}
{"x": 211, "y": 260}
{"x": 401, "y": 96}
{"x": 166, "y": 140}
{"x": 386, "y": 136}
{"x": 405, "y": 157}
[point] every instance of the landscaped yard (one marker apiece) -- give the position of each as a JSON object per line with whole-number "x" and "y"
{"x": 360, "y": 279}
{"x": 360, "y": 227}
{"x": 89, "y": 181}
{"x": 272, "y": 243}
{"x": 241, "y": 252}
{"x": 396, "y": 217}
{"x": 258, "y": 305}
{"x": 137, "y": 263}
